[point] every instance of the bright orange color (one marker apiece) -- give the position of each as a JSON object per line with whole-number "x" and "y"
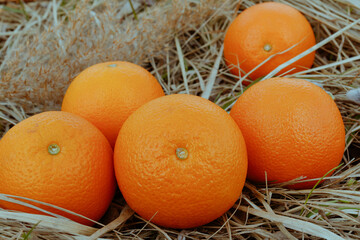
{"x": 266, "y": 29}
{"x": 107, "y": 93}
{"x": 76, "y": 174}
{"x": 180, "y": 160}
{"x": 292, "y": 128}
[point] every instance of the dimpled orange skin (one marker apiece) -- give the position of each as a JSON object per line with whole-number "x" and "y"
{"x": 292, "y": 128}
{"x": 107, "y": 93}
{"x": 79, "y": 178}
{"x": 180, "y": 193}
{"x": 276, "y": 24}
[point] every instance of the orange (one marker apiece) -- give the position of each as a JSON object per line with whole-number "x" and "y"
{"x": 61, "y": 159}
{"x": 180, "y": 161}
{"x": 266, "y": 29}
{"x": 292, "y": 128}
{"x": 107, "y": 93}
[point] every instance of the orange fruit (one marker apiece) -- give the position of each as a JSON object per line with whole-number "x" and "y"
{"x": 292, "y": 128}
{"x": 61, "y": 159}
{"x": 107, "y": 93}
{"x": 266, "y": 29}
{"x": 180, "y": 161}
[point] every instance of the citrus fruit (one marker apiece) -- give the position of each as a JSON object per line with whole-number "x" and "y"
{"x": 292, "y": 129}
{"x": 266, "y": 29}
{"x": 107, "y": 93}
{"x": 58, "y": 158}
{"x": 180, "y": 161}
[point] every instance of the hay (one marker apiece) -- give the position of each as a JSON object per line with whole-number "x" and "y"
{"x": 44, "y": 44}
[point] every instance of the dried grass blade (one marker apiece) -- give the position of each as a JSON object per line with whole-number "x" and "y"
{"x": 125, "y": 214}
{"x": 159, "y": 78}
{"x": 211, "y": 80}
{"x": 313, "y": 48}
{"x": 182, "y": 64}
{"x": 279, "y": 225}
{"x": 295, "y": 224}
{"x": 201, "y": 80}
{"x": 352, "y": 59}
{"x": 49, "y": 222}
{"x": 18, "y": 200}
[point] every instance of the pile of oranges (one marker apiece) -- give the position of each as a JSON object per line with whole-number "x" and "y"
{"x": 180, "y": 160}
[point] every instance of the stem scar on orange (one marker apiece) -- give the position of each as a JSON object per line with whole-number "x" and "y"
{"x": 107, "y": 93}
{"x": 266, "y": 29}
{"x": 61, "y": 159}
{"x": 292, "y": 129}
{"x": 180, "y": 160}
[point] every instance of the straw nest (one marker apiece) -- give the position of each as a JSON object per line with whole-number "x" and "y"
{"x": 45, "y": 44}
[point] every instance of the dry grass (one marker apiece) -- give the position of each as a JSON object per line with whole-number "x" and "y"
{"x": 44, "y": 44}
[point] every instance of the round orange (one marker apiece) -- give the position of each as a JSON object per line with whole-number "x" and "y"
{"x": 180, "y": 161}
{"x": 107, "y": 93}
{"x": 61, "y": 159}
{"x": 266, "y": 29}
{"x": 292, "y": 128}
